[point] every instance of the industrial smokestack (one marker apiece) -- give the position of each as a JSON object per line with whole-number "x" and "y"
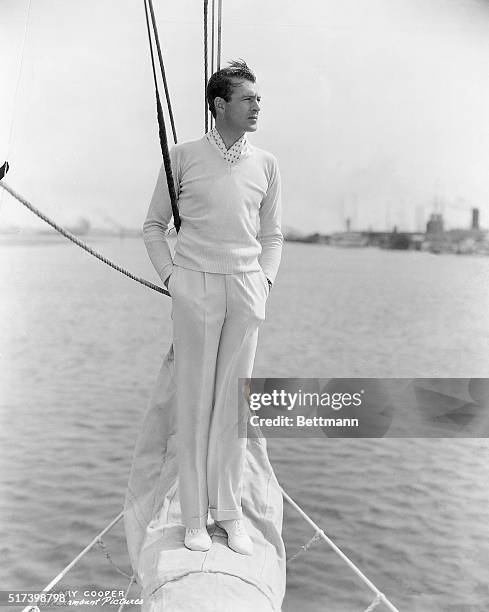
{"x": 475, "y": 218}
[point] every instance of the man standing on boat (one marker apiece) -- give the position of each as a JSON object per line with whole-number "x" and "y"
{"x": 226, "y": 259}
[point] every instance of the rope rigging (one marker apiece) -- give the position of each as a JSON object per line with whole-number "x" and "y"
{"x": 159, "y": 111}
{"x": 162, "y": 65}
{"x": 5, "y": 167}
{"x": 213, "y": 27}
{"x": 64, "y": 232}
{"x": 219, "y": 34}
{"x": 206, "y": 73}
{"x": 215, "y": 54}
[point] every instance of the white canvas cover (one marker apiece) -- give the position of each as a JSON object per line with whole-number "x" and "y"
{"x": 173, "y": 578}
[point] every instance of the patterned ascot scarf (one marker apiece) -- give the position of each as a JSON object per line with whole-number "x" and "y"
{"x": 232, "y": 155}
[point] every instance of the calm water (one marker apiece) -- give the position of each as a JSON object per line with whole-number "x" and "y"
{"x": 81, "y": 346}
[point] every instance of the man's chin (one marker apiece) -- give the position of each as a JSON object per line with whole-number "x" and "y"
{"x": 252, "y": 128}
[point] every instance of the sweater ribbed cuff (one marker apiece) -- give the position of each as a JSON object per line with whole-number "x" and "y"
{"x": 166, "y": 271}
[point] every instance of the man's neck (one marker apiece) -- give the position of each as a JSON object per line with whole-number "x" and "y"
{"x": 229, "y": 136}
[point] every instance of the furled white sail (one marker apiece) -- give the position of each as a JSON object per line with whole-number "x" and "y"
{"x": 172, "y": 577}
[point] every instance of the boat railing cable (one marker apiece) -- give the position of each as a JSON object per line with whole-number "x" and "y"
{"x": 319, "y": 534}
{"x": 96, "y": 540}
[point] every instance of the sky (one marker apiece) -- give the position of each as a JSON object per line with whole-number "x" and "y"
{"x": 377, "y": 110}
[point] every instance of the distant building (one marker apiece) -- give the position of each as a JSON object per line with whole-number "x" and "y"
{"x": 458, "y": 240}
{"x": 435, "y": 224}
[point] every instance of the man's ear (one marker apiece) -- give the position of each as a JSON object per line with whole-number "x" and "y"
{"x": 219, "y": 104}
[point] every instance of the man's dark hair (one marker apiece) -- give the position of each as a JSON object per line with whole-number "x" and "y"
{"x": 221, "y": 82}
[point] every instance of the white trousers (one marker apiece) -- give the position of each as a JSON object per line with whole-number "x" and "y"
{"x": 216, "y": 318}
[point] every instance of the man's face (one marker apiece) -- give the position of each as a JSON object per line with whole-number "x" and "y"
{"x": 241, "y": 112}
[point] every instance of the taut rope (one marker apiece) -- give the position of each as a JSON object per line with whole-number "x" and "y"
{"x": 77, "y": 241}
{"x": 219, "y": 34}
{"x": 213, "y": 27}
{"x": 206, "y": 75}
{"x": 162, "y": 68}
{"x": 161, "y": 121}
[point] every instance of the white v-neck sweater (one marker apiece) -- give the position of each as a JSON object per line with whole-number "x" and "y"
{"x": 230, "y": 213}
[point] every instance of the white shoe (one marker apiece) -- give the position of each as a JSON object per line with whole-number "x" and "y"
{"x": 238, "y": 539}
{"x": 197, "y": 538}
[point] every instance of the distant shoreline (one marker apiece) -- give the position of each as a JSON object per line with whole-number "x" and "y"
{"x": 36, "y": 238}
